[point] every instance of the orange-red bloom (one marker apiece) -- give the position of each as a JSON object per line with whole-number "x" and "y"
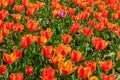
{"x": 9, "y": 58}
{"x": 29, "y": 70}
{"x": 63, "y": 49}
{"x": 66, "y": 38}
{"x": 76, "y": 56}
{"x": 17, "y": 17}
{"x": 112, "y": 27}
{"x": 47, "y": 33}
{"x": 3, "y": 69}
{"x": 66, "y": 67}
{"x": 18, "y": 8}
{"x": 84, "y": 72}
{"x": 99, "y": 43}
{"x": 18, "y": 27}
{"x": 27, "y": 40}
{"x": 11, "y": 2}
{"x": 41, "y": 39}
{"x": 87, "y": 31}
{"x": 16, "y": 76}
{"x": 47, "y": 51}
{"x": 48, "y": 74}
{"x": 71, "y": 11}
{"x": 9, "y": 25}
{"x": 18, "y": 53}
{"x": 118, "y": 32}
{"x": 108, "y": 77}
{"x": 92, "y": 65}
{"x": 106, "y": 65}
{"x": 55, "y": 59}
{"x": 3, "y": 3}
{"x": 3, "y": 14}
{"x": 1, "y": 38}
{"x": 99, "y": 26}
{"x": 32, "y": 25}
{"x": 5, "y": 32}
{"x": 74, "y": 28}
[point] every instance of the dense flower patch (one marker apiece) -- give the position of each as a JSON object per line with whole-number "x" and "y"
{"x": 59, "y": 39}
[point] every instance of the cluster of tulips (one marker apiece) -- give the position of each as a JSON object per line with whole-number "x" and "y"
{"x": 63, "y": 57}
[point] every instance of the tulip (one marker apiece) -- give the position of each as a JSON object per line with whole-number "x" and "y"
{"x": 76, "y": 56}
{"x": 66, "y": 38}
{"x": 3, "y": 69}
{"x": 106, "y": 65}
{"x": 29, "y": 70}
{"x": 66, "y": 67}
{"x": 108, "y": 77}
{"x": 16, "y": 76}
{"x": 84, "y": 72}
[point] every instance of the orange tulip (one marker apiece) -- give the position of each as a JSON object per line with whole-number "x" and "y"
{"x": 32, "y": 25}
{"x": 55, "y": 59}
{"x": 9, "y": 25}
{"x": 9, "y": 58}
{"x": 63, "y": 49}
{"x": 106, "y": 65}
{"x": 55, "y": 13}
{"x": 18, "y": 27}
{"x": 114, "y": 16}
{"x": 25, "y": 2}
{"x": 112, "y": 27}
{"x": 41, "y": 40}
{"x": 76, "y": 56}
{"x": 97, "y": 15}
{"x": 48, "y": 74}
{"x": 84, "y": 72}
{"x": 5, "y": 32}
{"x": 94, "y": 78}
{"x": 1, "y": 38}
{"x": 74, "y": 28}
{"x": 118, "y": 55}
{"x": 118, "y": 32}
{"x": 104, "y": 13}
{"x": 47, "y": 33}
{"x": 2, "y": 24}
{"x": 4, "y": 3}
{"x": 92, "y": 65}
{"x": 3, "y": 14}
{"x": 18, "y": 53}
{"x": 87, "y": 31}
{"x": 27, "y": 40}
{"x": 108, "y": 77}
{"x": 16, "y": 76}
{"x": 66, "y": 38}
{"x": 47, "y": 51}
{"x": 29, "y": 70}
{"x": 17, "y": 17}
{"x": 91, "y": 23}
{"x": 99, "y": 26}
{"x": 11, "y": 2}
{"x": 99, "y": 43}
{"x": 18, "y": 8}
{"x": 66, "y": 67}
{"x": 71, "y": 11}
{"x": 3, "y": 69}
{"x": 40, "y": 4}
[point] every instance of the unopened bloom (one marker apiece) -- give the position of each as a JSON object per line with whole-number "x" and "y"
{"x": 29, "y": 70}
{"x": 108, "y": 77}
{"x": 3, "y": 69}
